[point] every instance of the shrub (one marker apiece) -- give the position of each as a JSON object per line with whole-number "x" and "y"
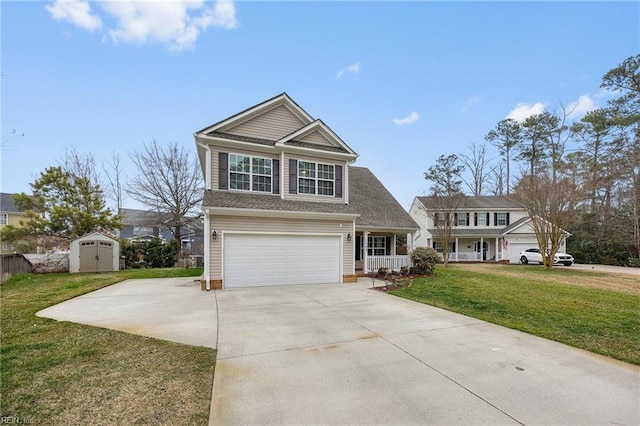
{"x": 424, "y": 260}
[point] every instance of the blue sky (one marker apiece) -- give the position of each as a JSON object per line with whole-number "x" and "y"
{"x": 400, "y": 82}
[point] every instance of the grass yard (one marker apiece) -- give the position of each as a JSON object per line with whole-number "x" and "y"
{"x": 64, "y": 373}
{"x": 594, "y": 311}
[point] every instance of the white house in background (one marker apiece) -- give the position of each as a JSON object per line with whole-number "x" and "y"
{"x": 486, "y": 228}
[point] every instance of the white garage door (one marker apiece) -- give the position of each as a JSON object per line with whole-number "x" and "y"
{"x": 516, "y": 248}
{"x": 264, "y": 260}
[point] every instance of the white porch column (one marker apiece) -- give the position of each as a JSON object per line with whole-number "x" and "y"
{"x": 207, "y": 250}
{"x": 497, "y": 246}
{"x": 481, "y": 249}
{"x": 395, "y": 245}
{"x": 457, "y": 248}
{"x": 409, "y": 243}
{"x": 365, "y": 250}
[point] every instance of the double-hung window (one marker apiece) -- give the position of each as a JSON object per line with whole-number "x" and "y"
{"x": 501, "y": 219}
{"x": 377, "y": 246}
{"x": 316, "y": 178}
{"x": 4, "y": 218}
{"x": 249, "y": 173}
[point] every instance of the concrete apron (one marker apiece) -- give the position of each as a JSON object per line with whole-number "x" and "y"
{"x": 172, "y": 309}
{"x": 344, "y": 354}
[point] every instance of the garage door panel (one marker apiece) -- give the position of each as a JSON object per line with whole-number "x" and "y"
{"x": 264, "y": 260}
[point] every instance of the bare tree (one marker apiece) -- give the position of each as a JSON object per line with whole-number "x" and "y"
{"x": 476, "y": 163}
{"x": 113, "y": 170}
{"x": 445, "y": 198}
{"x": 496, "y": 180}
{"x": 80, "y": 166}
{"x": 169, "y": 180}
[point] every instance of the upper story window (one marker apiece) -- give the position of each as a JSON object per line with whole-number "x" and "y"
{"x": 4, "y": 218}
{"x": 482, "y": 219}
{"x": 248, "y": 173}
{"x": 501, "y": 219}
{"x": 316, "y": 178}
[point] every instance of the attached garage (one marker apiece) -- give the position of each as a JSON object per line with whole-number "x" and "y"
{"x": 253, "y": 260}
{"x": 94, "y": 253}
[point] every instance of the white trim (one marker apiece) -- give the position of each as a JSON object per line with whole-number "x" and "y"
{"x": 282, "y": 99}
{"x": 207, "y": 175}
{"x": 319, "y": 126}
{"x": 223, "y": 234}
{"x": 282, "y": 176}
{"x": 207, "y": 249}
{"x": 250, "y": 173}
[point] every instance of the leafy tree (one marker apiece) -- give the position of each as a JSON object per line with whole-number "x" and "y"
{"x": 445, "y": 198}
{"x": 62, "y": 206}
{"x": 169, "y": 180}
{"x": 506, "y": 137}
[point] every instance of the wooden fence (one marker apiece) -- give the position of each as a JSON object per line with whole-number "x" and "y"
{"x": 14, "y": 264}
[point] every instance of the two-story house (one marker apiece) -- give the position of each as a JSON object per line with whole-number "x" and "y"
{"x": 283, "y": 203}
{"x": 486, "y": 228}
{"x": 9, "y": 215}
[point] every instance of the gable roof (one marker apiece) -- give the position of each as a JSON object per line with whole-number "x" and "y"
{"x": 377, "y": 207}
{"x": 292, "y": 129}
{"x": 371, "y": 203}
{"x": 481, "y": 202}
{"x": 251, "y": 112}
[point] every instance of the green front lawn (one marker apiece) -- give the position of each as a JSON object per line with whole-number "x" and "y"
{"x": 596, "y": 312}
{"x": 63, "y": 373}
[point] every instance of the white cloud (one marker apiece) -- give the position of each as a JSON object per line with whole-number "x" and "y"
{"x": 175, "y": 23}
{"x": 579, "y": 108}
{"x": 77, "y": 12}
{"x": 521, "y": 111}
{"x": 409, "y": 119}
{"x": 469, "y": 103}
{"x": 351, "y": 69}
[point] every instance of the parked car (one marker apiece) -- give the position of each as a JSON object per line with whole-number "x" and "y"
{"x": 534, "y": 255}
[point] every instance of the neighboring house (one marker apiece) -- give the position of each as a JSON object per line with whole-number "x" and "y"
{"x": 485, "y": 228}
{"x": 284, "y": 205}
{"x": 9, "y": 215}
{"x": 144, "y": 225}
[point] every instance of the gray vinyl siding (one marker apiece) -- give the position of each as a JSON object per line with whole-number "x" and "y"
{"x": 222, "y": 224}
{"x": 308, "y": 197}
{"x": 316, "y": 138}
{"x": 272, "y": 125}
{"x": 215, "y": 151}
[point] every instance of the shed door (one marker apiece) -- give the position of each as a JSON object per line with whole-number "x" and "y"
{"x": 268, "y": 260}
{"x": 96, "y": 256}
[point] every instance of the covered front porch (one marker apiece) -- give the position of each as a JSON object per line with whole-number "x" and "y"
{"x": 465, "y": 248}
{"x": 382, "y": 249}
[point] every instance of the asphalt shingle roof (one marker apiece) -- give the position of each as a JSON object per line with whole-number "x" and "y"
{"x": 482, "y": 202}
{"x": 377, "y": 207}
{"x": 249, "y": 201}
{"x": 368, "y": 198}
{"x": 6, "y": 203}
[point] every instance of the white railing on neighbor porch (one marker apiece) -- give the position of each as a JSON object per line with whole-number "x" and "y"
{"x": 392, "y": 263}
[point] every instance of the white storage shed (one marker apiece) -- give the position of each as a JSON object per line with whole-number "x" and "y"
{"x": 94, "y": 252}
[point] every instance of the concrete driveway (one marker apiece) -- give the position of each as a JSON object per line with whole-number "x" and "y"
{"x": 171, "y": 309}
{"x": 344, "y": 354}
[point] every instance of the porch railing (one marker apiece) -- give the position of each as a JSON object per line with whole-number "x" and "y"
{"x": 392, "y": 263}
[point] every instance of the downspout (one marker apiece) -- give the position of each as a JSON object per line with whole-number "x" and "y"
{"x": 207, "y": 250}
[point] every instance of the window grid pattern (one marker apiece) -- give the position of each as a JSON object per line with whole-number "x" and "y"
{"x": 377, "y": 246}
{"x": 316, "y": 178}
{"x": 249, "y": 173}
{"x": 4, "y": 218}
{"x": 502, "y": 219}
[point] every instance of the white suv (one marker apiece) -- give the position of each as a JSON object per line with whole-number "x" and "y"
{"x": 533, "y": 255}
